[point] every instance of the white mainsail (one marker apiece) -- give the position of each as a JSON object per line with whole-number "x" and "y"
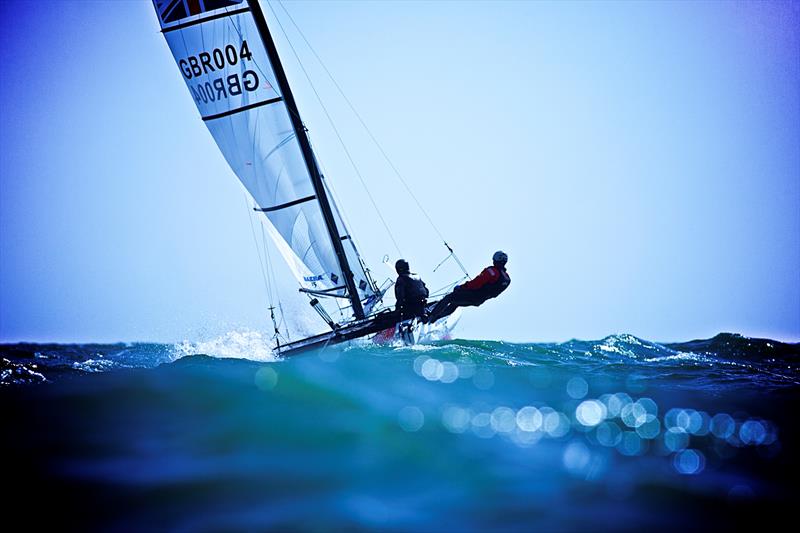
{"x": 226, "y": 67}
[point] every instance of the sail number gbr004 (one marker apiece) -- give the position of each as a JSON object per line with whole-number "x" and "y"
{"x": 207, "y": 63}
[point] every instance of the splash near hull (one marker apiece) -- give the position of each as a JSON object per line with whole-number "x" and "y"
{"x": 381, "y": 329}
{"x": 411, "y": 332}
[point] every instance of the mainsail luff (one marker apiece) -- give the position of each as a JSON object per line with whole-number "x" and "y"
{"x": 308, "y": 155}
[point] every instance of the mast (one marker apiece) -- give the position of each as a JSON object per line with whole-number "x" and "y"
{"x": 308, "y": 156}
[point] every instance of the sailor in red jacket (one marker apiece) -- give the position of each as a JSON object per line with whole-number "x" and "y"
{"x": 489, "y": 284}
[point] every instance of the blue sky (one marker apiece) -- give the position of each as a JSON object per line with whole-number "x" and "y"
{"x": 639, "y": 162}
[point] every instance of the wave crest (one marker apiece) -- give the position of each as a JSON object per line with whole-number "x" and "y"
{"x": 237, "y": 344}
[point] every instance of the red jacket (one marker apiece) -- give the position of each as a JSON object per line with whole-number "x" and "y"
{"x": 488, "y": 276}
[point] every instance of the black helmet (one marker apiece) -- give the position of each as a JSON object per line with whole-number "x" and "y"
{"x": 402, "y": 266}
{"x": 500, "y": 257}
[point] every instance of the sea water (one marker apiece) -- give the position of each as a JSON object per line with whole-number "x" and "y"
{"x": 463, "y": 435}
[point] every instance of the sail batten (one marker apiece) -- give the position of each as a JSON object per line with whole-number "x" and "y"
{"x": 287, "y": 204}
{"x": 247, "y": 107}
{"x": 235, "y": 82}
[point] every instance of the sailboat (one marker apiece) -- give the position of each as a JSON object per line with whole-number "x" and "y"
{"x": 230, "y": 64}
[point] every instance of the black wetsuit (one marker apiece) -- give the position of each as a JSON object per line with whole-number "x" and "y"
{"x": 489, "y": 284}
{"x": 411, "y": 294}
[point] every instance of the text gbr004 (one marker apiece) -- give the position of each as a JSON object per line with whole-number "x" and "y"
{"x": 205, "y": 63}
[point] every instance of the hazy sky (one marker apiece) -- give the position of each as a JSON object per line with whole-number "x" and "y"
{"x": 639, "y": 162}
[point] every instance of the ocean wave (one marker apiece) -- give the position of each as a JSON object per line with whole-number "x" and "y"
{"x": 12, "y": 373}
{"x": 237, "y": 344}
{"x": 768, "y": 361}
{"x": 681, "y": 357}
{"x": 97, "y": 365}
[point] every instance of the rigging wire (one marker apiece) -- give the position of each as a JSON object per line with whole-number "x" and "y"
{"x": 264, "y": 273}
{"x": 371, "y": 135}
{"x": 273, "y": 281}
{"x": 258, "y": 250}
{"x": 444, "y": 290}
{"x": 335, "y": 129}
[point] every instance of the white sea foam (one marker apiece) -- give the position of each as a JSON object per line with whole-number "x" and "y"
{"x": 96, "y": 365}
{"x": 236, "y": 344}
{"x": 680, "y": 356}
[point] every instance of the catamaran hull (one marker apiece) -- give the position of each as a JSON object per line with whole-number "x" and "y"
{"x": 380, "y": 329}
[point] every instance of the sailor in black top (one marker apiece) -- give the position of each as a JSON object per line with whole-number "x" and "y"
{"x": 410, "y": 291}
